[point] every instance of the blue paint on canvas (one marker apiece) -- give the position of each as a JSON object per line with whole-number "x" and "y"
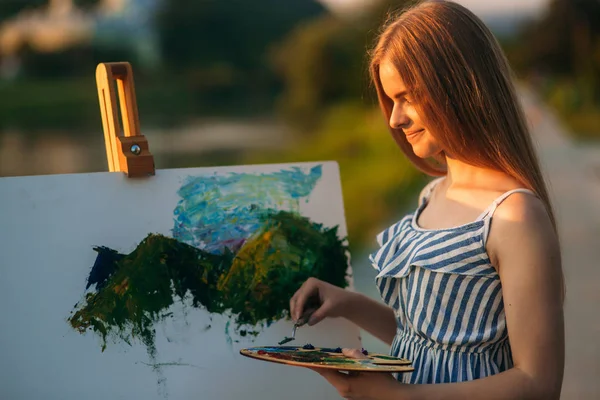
{"x": 221, "y": 211}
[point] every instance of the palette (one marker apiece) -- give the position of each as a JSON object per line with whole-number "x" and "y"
{"x": 329, "y": 358}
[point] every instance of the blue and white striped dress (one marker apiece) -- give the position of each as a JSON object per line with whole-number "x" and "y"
{"x": 447, "y": 298}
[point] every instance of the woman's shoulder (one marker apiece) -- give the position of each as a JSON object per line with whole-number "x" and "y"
{"x": 524, "y": 208}
{"x": 521, "y": 223}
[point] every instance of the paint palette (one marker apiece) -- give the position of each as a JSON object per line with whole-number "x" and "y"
{"x": 329, "y": 358}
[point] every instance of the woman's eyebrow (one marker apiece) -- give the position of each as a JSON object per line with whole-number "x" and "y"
{"x": 400, "y": 94}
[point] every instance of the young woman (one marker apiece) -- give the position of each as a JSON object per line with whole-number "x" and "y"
{"x": 472, "y": 280}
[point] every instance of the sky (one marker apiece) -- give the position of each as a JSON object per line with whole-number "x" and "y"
{"x": 479, "y": 7}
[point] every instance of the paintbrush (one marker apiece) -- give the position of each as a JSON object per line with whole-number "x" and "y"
{"x": 302, "y": 321}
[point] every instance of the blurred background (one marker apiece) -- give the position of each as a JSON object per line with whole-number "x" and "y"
{"x": 226, "y": 82}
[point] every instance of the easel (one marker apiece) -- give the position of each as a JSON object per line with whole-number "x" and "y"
{"x": 128, "y": 153}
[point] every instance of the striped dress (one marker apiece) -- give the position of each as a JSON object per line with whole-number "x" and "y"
{"x": 447, "y": 298}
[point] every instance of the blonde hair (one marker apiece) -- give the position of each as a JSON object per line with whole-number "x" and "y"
{"x": 463, "y": 89}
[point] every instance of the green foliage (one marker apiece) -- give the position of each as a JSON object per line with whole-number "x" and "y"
{"x": 321, "y": 62}
{"x": 221, "y": 47}
{"x": 562, "y": 41}
{"x": 86, "y": 4}
{"x": 574, "y": 104}
{"x": 324, "y": 61}
{"x": 234, "y": 33}
{"x": 10, "y": 8}
{"x": 561, "y": 53}
{"x": 54, "y": 104}
{"x": 71, "y": 105}
{"x": 76, "y": 61}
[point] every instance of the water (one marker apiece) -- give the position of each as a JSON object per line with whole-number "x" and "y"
{"x": 204, "y": 142}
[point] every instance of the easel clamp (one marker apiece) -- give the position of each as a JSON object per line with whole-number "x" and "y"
{"x": 129, "y": 153}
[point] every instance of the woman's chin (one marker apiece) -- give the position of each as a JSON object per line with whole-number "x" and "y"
{"x": 425, "y": 150}
{"x": 420, "y": 152}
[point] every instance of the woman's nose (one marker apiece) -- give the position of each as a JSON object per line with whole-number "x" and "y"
{"x": 399, "y": 119}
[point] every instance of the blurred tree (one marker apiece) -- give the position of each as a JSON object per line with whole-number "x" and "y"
{"x": 79, "y": 60}
{"x": 71, "y": 60}
{"x": 564, "y": 40}
{"x": 86, "y": 4}
{"x": 320, "y": 63}
{"x": 561, "y": 51}
{"x": 9, "y": 8}
{"x": 324, "y": 61}
{"x": 220, "y": 44}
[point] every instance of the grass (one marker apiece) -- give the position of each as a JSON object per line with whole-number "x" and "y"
{"x": 583, "y": 124}
{"x": 71, "y": 104}
{"x": 576, "y": 105}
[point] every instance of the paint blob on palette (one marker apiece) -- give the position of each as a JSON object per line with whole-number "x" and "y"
{"x": 329, "y": 358}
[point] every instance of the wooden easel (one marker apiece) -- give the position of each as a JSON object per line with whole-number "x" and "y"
{"x": 127, "y": 152}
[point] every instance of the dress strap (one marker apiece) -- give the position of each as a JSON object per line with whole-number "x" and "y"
{"x": 492, "y": 208}
{"x": 489, "y": 212}
{"x": 428, "y": 190}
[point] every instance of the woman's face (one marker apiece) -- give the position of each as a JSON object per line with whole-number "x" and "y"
{"x": 404, "y": 115}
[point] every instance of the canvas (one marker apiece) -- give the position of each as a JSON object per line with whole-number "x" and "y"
{"x": 148, "y": 288}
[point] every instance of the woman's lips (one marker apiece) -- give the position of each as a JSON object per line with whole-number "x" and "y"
{"x": 412, "y": 135}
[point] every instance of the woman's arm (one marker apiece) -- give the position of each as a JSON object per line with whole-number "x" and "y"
{"x": 374, "y": 317}
{"x": 523, "y": 245}
{"x": 333, "y": 301}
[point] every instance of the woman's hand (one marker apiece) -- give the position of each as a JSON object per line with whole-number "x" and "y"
{"x": 321, "y": 298}
{"x": 363, "y": 385}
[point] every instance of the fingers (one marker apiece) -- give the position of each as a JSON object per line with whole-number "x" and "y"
{"x": 293, "y": 302}
{"x": 306, "y": 316}
{"x": 334, "y": 377}
{"x": 296, "y": 303}
{"x": 354, "y": 353}
{"x": 341, "y": 381}
{"x": 319, "y": 314}
{"x": 300, "y": 298}
{"x": 299, "y": 302}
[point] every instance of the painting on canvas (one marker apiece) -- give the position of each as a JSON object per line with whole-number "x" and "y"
{"x": 120, "y": 288}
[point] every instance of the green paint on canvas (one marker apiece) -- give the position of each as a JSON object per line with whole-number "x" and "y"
{"x": 253, "y": 286}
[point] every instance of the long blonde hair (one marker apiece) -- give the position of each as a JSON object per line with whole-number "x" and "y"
{"x": 463, "y": 89}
